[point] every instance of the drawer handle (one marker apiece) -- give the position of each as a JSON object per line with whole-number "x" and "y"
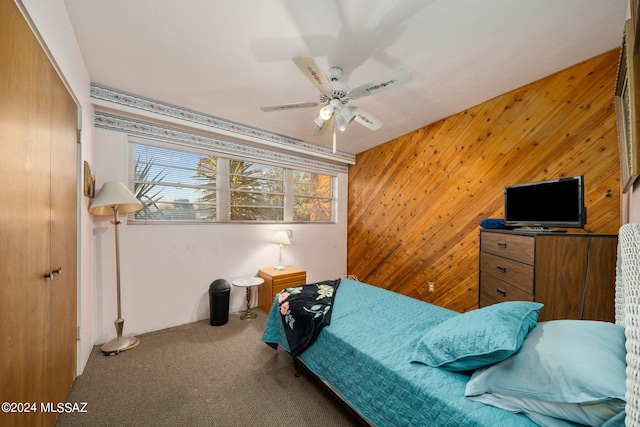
{"x": 502, "y": 245}
{"x": 501, "y": 292}
{"x": 501, "y": 269}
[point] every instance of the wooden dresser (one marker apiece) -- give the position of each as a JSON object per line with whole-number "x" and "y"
{"x": 275, "y": 281}
{"x": 573, "y": 275}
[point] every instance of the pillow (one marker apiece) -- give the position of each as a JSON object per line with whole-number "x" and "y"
{"x": 478, "y": 338}
{"x": 489, "y": 223}
{"x": 566, "y": 370}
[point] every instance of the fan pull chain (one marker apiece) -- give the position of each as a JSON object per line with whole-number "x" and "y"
{"x": 334, "y": 140}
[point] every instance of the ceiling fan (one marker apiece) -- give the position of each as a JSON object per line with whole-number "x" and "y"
{"x": 334, "y": 95}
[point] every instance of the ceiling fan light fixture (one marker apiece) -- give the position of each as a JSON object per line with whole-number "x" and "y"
{"x": 335, "y": 94}
{"x": 326, "y": 112}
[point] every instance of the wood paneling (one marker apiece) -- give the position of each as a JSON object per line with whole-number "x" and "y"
{"x": 415, "y": 202}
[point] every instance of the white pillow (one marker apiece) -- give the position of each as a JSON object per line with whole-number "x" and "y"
{"x": 565, "y": 370}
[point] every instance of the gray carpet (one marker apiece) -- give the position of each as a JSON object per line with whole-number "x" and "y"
{"x": 201, "y": 375}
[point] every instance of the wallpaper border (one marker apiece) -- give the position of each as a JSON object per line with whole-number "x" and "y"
{"x": 174, "y": 135}
{"x": 136, "y": 102}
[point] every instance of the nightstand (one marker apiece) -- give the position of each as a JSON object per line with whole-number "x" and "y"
{"x": 275, "y": 281}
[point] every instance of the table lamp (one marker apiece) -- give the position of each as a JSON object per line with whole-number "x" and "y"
{"x": 281, "y": 238}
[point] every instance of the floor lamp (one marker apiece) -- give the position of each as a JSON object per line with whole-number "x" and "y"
{"x": 113, "y": 199}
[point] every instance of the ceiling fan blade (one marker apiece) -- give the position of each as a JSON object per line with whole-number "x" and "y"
{"x": 396, "y": 78}
{"x": 366, "y": 119}
{"x": 310, "y": 69}
{"x": 291, "y": 106}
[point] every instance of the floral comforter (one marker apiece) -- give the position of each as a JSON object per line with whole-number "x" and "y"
{"x": 305, "y": 310}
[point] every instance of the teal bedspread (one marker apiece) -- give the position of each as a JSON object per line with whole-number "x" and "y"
{"x": 365, "y": 353}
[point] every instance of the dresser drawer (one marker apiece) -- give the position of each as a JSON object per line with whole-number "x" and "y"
{"x": 519, "y": 248}
{"x": 293, "y": 279}
{"x": 507, "y": 270}
{"x": 493, "y": 291}
{"x": 277, "y": 280}
{"x": 280, "y": 287}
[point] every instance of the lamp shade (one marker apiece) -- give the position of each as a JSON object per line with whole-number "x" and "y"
{"x": 281, "y": 238}
{"x": 348, "y": 115}
{"x": 114, "y": 193}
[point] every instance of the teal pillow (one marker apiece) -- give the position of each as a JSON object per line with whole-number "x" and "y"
{"x": 478, "y": 338}
{"x": 566, "y": 371}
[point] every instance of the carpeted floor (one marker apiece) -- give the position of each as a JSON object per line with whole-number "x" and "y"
{"x": 201, "y": 375}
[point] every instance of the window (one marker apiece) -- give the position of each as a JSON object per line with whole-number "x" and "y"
{"x": 312, "y": 197}
{"x": 194, "y": 186}
{"x": 174, "y": 185}
{"x": 256, "y": 191}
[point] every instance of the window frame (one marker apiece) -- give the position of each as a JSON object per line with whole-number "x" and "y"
{"x": 223, "y": 190}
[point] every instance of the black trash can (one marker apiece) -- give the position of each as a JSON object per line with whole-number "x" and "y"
{"x": 219, "y": 291}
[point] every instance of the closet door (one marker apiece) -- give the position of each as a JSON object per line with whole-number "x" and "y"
{"x": 37, "y": 314}
{"x": 60, "y": 327}
{"x": 24, "y": 215}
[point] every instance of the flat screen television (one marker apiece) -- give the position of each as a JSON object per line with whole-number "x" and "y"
{"x": 556, "y": 203}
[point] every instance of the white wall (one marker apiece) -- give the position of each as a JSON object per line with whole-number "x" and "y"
{"x": 166, "y": 269}
{"x": 631, "y": 205}
{"x": 51, "y": 21}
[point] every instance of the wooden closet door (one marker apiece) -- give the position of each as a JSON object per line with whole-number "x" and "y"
{"x": 60, "y": 327}
{"x": 36, "y": 314}
{"x": 24, "y": 214}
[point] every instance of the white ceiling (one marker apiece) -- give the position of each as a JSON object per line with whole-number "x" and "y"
{"x": 227, "y": 58}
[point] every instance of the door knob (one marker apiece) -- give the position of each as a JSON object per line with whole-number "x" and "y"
{"x": 53, "y": 273}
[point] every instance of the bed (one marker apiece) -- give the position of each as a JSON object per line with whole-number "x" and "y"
{"x": 397, "y": 361}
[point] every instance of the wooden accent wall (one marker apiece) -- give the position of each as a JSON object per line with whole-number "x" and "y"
{"x": 415, "y": 203}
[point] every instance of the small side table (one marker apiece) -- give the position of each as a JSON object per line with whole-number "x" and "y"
{"x": 248, "y": 283}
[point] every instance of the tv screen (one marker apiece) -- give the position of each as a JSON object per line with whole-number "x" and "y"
{"x": 556, "y": 203}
